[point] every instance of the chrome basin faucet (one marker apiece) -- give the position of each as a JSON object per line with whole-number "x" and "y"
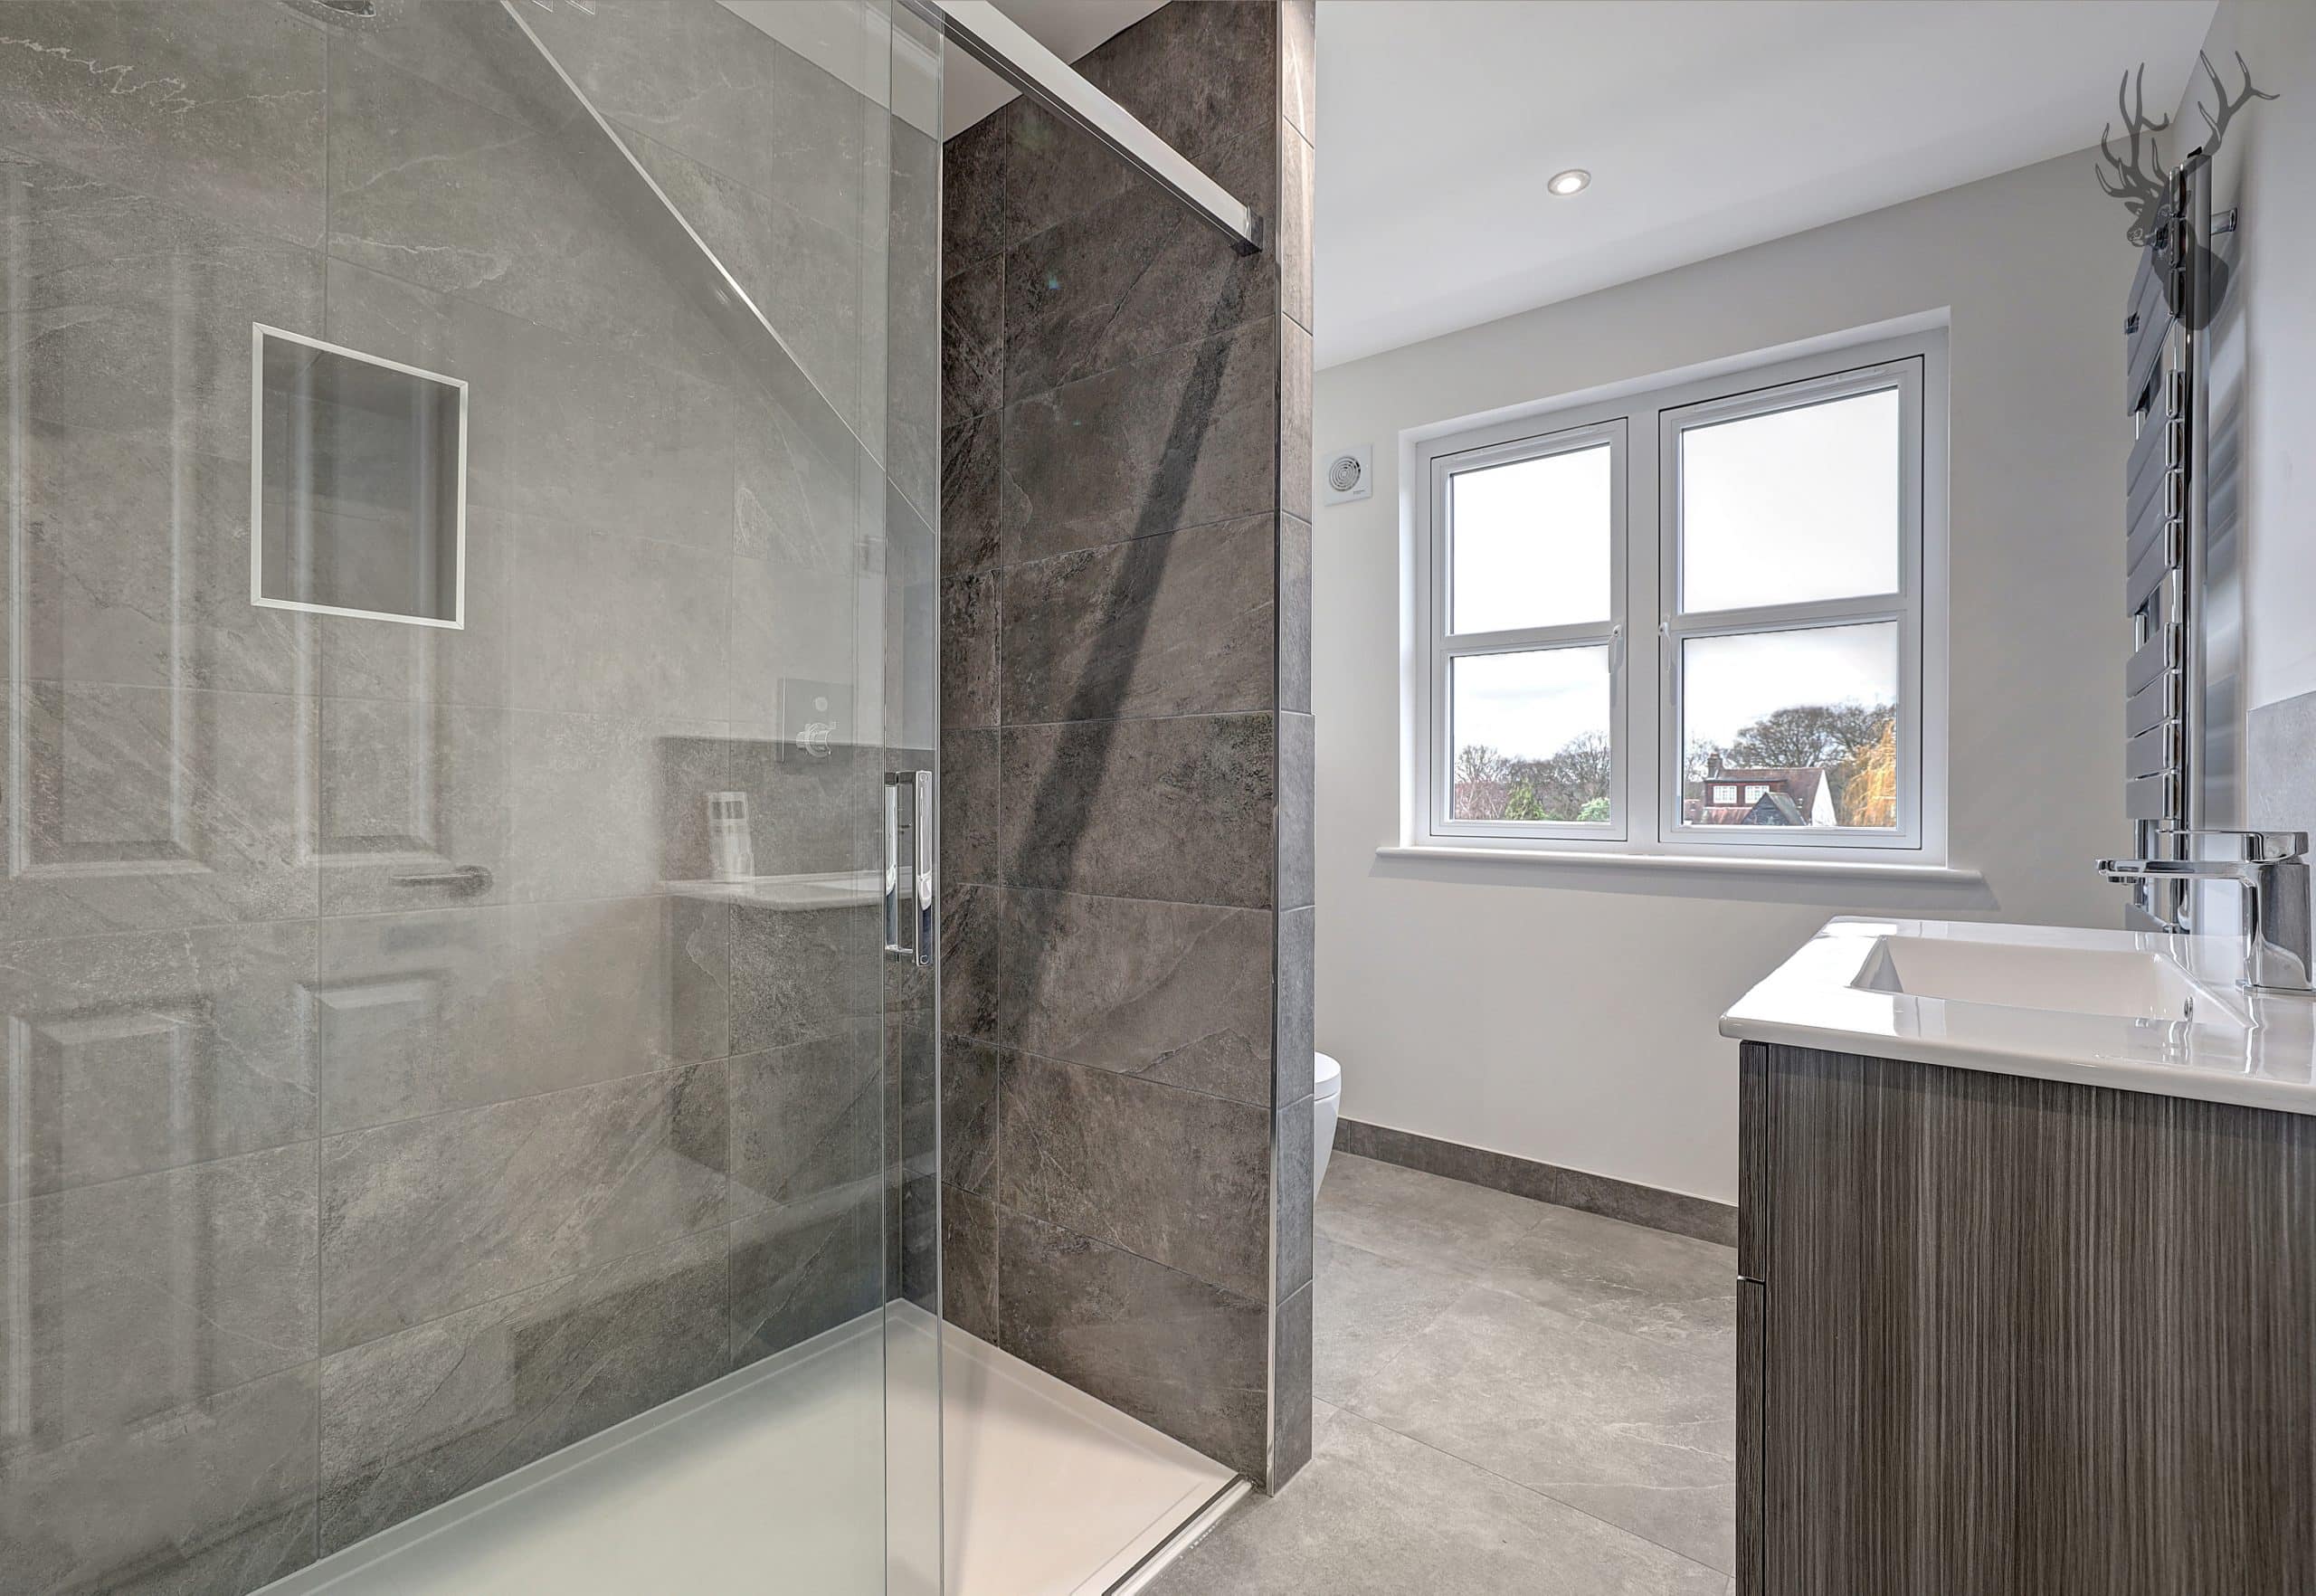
{"x": 2272, "y": 867}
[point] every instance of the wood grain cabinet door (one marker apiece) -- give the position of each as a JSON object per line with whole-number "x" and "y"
{"x": 2025, "y": 1339}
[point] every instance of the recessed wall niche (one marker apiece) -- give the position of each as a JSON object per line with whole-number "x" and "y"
{"x": 358, "y": 484}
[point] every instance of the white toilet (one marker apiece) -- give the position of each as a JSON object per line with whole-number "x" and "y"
{"x": 1323, "y": 1115}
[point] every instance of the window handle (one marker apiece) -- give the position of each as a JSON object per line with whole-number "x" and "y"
{"x": 1616, "y": 647}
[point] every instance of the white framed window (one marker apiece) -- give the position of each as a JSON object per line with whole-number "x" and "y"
{"x": 1704, "y": 618}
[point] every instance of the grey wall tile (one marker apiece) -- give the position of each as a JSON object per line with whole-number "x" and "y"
{"x": 1053, "y": 171}
{"x": 792, "y": 623}
{"x": 1294, "y": 613}
{"x": 1295, "y": 1154}
{"x": 969, "y": 1263}
{"x": 975, "y": 222}
{"x": 596, "y": 807}
{"x": 973, "y": 919}
{"x": 1206, "y": 80}
{"x": 1295, "y": 379}
{"x": 969, "y": 520}
{"x": 383, "y": 316}
{"x": 611, "y": 442}
{"x": 1290, "y": 1420}
{"x": 617, "y": 625}
{"x": 807, "y": 277}
{"x": 1298, "y": 803}
{"x": 431, "y": 187}
{"x": 1184, "y": 1356}
{"x": 798, "y": 1271}
{"x": 216, "y": 104}
{"x": 973, "y": 340}
{"x": 808, "y": 813}
{"x": 970, "y": 617}
{"x": 140, "y": 1296}
{"x": 1298, "y": 195}
{"x": 1297, "y": 975}
{"x": 413, "y": 1419}
{"x": 217, "y": 1496}
{"x": 455, "y": 1008}
{"x": 412, "y": 788}
{"x": 1176, "y": 624}
{"x": 143, "y": 807}
{"x": 969, "y": 1147}
{"x": 801, "y": 976}
{"x": 807, "y": 1120}
{"x": 798, "y": 477}
{"x": 969, "y": 788}
{"x": 725, "y": 93}
{"x": 2280, "y": 757}
{"x": 1299, "y": 65}
{"x": 1130, "y": 276}
{"x": 559, "y": 427}
{"x": 425, "y": 1217}
{"x": 474, "y": 52}
{"x": 913, "y": 331}
{"x": 1177, "y": 1177}
{"x": 365, "y": 658}
{"x": 1177, "y": 993}
{"x": 130, "y": 314}
{"x": 151, "y": 1050}
{"x": 1180, "y": 439}
{"x": 1171, "y": 809}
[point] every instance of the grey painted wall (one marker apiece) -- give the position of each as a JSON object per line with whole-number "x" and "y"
{"x": 2264, "y": 337}
{"x": 323, "y": 1198}
{"x": 1126, "y": 743}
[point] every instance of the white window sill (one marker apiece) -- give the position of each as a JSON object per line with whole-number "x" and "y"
{"x": 1790, "y": 870}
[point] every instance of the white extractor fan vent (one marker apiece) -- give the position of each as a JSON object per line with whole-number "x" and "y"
{"x": 1351, "y": 475}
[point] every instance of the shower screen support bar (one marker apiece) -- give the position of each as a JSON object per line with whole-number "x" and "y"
{"x": 1008, "y": 48}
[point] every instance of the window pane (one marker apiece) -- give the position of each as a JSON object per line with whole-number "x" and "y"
{"x": 1528, "y": 543}
{"x": 1793, "y": 506}
{"x": 1530, "y": 736}
{"x": 1791, "y": 728}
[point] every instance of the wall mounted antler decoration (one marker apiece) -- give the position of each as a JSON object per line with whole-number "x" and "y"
{"x": 2137, "y": 176}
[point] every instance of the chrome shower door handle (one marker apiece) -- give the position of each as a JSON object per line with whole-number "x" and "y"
{"x": 922, "y": 879}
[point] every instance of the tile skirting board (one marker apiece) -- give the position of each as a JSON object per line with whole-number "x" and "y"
{"x": 1636, "y": 1205}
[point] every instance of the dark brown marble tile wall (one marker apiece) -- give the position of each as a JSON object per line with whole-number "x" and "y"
{"x": 1180, "y": 623}
{"x": 1172, "y": 992}
{"x": 1115, "y": 927}
{"x": 1188, "y": 1357}
{"x": 1179, "y": 810}
{"x": 1129, "y": 278}
{"x": 1177, "y": 1177}
{"x": 1177, "y": 438}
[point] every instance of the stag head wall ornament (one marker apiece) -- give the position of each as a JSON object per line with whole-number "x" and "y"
{"x": 2136, "y": 174}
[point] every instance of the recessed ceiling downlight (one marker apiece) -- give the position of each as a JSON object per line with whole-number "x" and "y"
{"x": 1575, "y": 180}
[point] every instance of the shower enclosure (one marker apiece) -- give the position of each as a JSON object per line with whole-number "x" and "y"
{"x": 471, "y": 472}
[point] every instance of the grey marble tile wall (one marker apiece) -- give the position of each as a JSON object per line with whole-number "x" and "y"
{"x": 1126, "y": 743}
{"x": 325, "y": 1196}
{"x": 2280, "y": 756}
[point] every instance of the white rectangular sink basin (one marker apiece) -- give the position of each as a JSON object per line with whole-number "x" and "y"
{"x": 2132, "y": 984}
{"x": 2147, "y": 1011}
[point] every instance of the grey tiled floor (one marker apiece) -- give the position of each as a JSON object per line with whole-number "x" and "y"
{"x": 1511, "y": 1398}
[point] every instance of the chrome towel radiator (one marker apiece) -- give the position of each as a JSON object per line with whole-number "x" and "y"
{"x": 2165, "y": 527}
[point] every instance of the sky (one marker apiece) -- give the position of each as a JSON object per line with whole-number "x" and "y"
{"x": 1789, "y": 507}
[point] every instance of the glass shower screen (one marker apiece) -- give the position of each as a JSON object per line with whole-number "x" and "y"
{"x": 470, "y": 473}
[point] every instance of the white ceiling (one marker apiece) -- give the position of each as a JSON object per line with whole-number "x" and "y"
{"x": 1707, "y": 125}
{"x": 1069, "y": 28}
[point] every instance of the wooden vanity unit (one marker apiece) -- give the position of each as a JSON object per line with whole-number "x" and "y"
{"x": 2004, "y": 1333}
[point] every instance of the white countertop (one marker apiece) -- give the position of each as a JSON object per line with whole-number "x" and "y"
{"x": 2197, "y": 1035}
